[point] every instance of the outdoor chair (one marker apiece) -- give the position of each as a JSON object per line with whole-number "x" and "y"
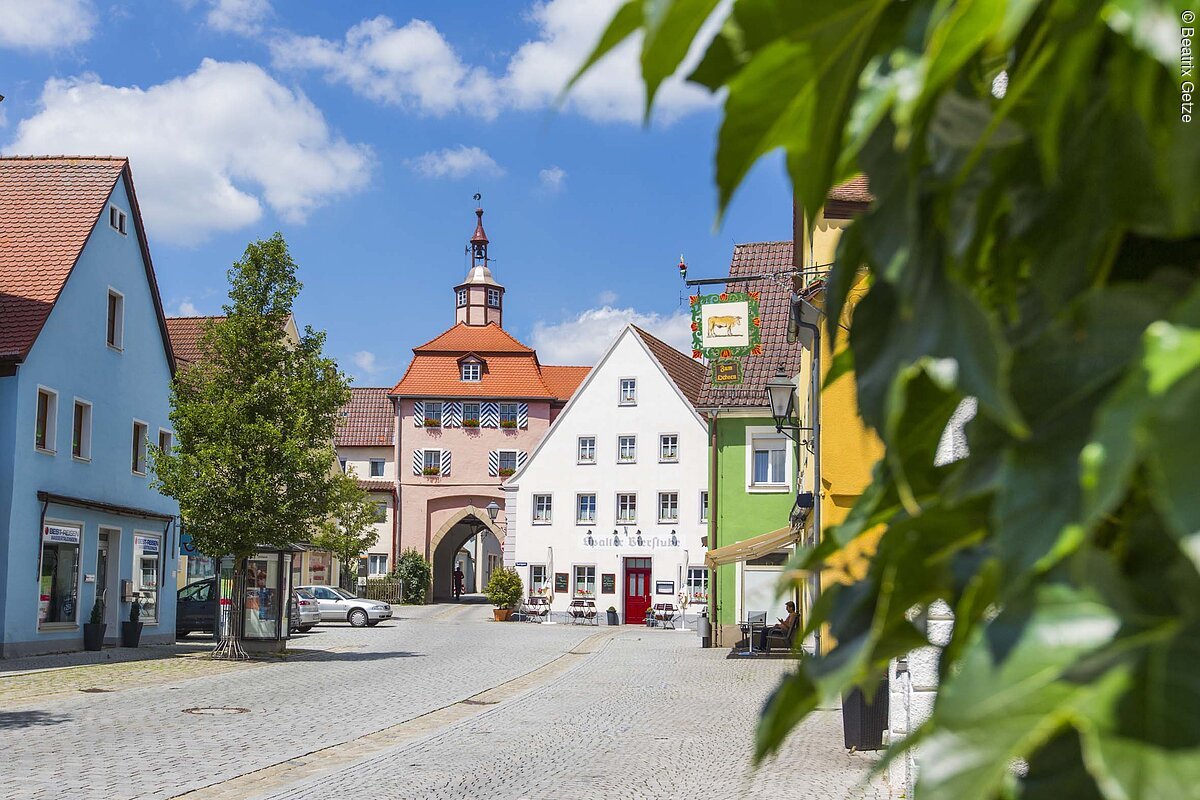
{"x": 537, "y": 609}
{"x": 665, "y": 615}
{"x": 786, "y": 639}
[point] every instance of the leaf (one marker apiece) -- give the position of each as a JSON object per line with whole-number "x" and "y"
{"x": 627, "y": 20}
{"x": 670, "y": 27}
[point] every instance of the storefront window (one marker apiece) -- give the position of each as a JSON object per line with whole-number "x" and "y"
{"x": 697, "y": 584}
{"x": 585, "y": 581}
{"x": 261, "y": 618}
{"x": 146, "y": 561}
{"x": 58, "y": 584}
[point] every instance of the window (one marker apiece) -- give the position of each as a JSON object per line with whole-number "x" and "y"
{"x": 381, "y": 509}
{"x": 461, "y": 297}
{"x": 541, "y": 508}
{"x": 58, "y": 583}
{"x": 342, "y": 464}
{"x": 537, "y": 579}
{"x": 769, "y": 461}
{"x": 587, "y": 449}
{"x": 115, "y": 333}
{"x": 46, "y": 425}
{"x": 668, "y": 447}
{"x": 627, "y": 508}
{"x": 697, "y": 585}
{"x": 629, "y": 391}
{"x": 377, "y": 564}
{"x": 493, "y": 297}
{"x": 585, "y": 509}
{"x": 433, "y": 414}
{"x": 470, "y": 415}
{"x": 507, "y": 461}
{"x": 668, "y": 506}
{"x": 377, "y": 467}
{"x": 165, "y": 440}
{"x": 471, "y": 371}
{"x": 626, "y": 449}
{"x": 117, "y": 219}
{"x": 585, "y": 581}
{"x": 138, "y": 462}
{"x": 432, "y": 462}
{"x": 81, "y": 430}
{"x": 508, "y": 415}
{"x": 145, "y": 574}
{"x": 704, "y": 506}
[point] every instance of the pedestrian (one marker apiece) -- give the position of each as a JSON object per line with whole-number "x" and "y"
{"x": 459, "y": 577}
{"x": 782, "y": 629}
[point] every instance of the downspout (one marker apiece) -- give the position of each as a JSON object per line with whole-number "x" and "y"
{"x": 713, "y": 494}
{"x": 41, "y": 544}
{"x": 815, "y": 400}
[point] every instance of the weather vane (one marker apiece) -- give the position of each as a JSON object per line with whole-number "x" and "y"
{"x": 478, "y": 197}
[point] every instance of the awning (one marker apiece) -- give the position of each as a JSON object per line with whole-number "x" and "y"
{"x": 755, "y": 547}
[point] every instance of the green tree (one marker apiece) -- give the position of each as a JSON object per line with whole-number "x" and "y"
{"x": 1034, "y": 243}
{"x": 350, "y": 528}
{"x": 415, "y": 575}
{"x": 254, "y": 420}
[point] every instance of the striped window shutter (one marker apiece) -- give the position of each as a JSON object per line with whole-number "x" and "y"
{"x": 489, "y": 415}
{"x": 418, "y": 462}
{"x": 494, "y": 463}
{"x": 521, "y": 456}
{"x": 452, "y": 415}
{"x": 522, "y": 415}
{"x": 419, "y": 414}
{"x": 445, "y": 462}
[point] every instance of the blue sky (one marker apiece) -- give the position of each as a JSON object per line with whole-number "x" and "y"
{"x": 361, "y": 131}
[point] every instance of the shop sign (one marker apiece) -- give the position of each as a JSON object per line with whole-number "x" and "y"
{"x": 57, "y": 534}
{"x": 560, "y": 582}
{"x": 145, "y": 544}
{"x": 608, "y": 583}
{"x": 726, "y": 328}
{"x": 186, "y": 546}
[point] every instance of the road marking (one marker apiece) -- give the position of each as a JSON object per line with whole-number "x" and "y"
{"x": 285, "y": 773}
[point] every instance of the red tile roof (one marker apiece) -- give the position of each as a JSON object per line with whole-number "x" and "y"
{"x": 855, "y": 190}
{"x": 376, "y": 485}
{"x": 760, "y": 258}
{"x": 48, "y": 208}
{"x": 563, "y": 381}
{"x": 185, "y": 335}
{"x": 367, "y": 420}
{"x": 686, "y": 372}
{"x": 511, "y": 370}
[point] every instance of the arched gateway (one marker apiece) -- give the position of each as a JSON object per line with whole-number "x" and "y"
{"x": 447, "y": 544}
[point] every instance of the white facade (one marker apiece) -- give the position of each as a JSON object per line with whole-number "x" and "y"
{"x": 375, "y": 465}
{"x": 612, "y": 496}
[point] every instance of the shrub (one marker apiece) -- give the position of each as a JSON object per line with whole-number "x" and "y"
{"x": 504, "y": 589}
{"x": 415, "y": 575}
{"x": 97, "y": 612}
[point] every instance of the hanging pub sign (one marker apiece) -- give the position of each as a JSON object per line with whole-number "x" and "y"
{"x": 726, "y": 328}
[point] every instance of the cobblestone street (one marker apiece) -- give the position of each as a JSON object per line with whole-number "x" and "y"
{"x": 441, "y": 702}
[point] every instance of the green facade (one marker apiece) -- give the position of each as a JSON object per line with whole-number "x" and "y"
{"x": 739, "y": 514}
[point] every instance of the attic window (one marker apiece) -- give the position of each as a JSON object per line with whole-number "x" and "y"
{"x": 117, "y": 219}
{"x": 471, "y": 371}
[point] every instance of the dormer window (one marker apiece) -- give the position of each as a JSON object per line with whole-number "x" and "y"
{"x": 471, "y": 371}
{"x": 461, "y": 296}
{"x": 117, "y": 219}
{"x": 493, "y": 298}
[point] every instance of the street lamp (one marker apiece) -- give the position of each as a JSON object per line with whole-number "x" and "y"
{"x": 781, "y": 393}
{"x": 492, "y": 510}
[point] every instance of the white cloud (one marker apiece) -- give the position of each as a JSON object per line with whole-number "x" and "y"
{"x": 455, "y": 162}
{"x": 245, "y": 17}
{"x": 208, "y": 150}
{"x": 553, "y": 179}
{"x": 187, "y": 308}
{"x": 584, "y": 338}
{"x": 607, "y": 297}
{"x": 365, "y": 361}
{"x": 412, "y": 66}
{"x": 45, "y": 25}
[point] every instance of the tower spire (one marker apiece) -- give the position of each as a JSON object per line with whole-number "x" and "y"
{"x": 479, "y": 299}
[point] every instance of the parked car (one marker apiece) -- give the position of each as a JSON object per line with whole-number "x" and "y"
{"x": 196, "y": 609}
{"x": 305, "y": 612}
{"x": 338, "y": 605}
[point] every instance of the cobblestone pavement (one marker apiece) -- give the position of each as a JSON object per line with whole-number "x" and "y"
{"x": 440, "y": 703}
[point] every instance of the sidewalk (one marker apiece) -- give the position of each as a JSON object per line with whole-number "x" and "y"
{"x": 109, "y": 655}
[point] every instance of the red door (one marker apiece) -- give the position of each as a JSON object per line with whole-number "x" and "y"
{"x": 637, "y": 590}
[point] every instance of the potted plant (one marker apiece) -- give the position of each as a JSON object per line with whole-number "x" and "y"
{"x": 431, "y": 471}
{"x": 612, "y": 616}
{"x": 508, "y": 424}
{"x": 504, "y": 591}
{"x": 131, "y": 631}
{"x": 433, "y": 423}
{"x": 93, "y": 629}
{"x": 470, "y": 423}
{"x": 506, "y": 472}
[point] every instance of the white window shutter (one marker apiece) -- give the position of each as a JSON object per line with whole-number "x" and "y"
{"x": 494, "y": 463}
{"x": 445, "y": 462}
{"x": 419, "y": 414}
{"x": 522, "y": 415}
{"x": 418, "y": 462}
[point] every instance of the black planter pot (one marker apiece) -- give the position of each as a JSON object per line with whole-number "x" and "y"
{"x": 131, "y": 633}
{"x": 93, "y": 635}
{"x": 612, "y": 618}
{"x": 865, "y": 719}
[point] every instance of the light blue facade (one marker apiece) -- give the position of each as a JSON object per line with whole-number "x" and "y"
{"x": 71, "y": 357}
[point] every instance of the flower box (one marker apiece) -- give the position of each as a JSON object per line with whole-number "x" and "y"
{"x": 433, "y": 423}
{"x": 431, "y": 471}
{"x": 506, "y": 472}
{"x": 470, "y": 423}
{"x": 508, "y": 424}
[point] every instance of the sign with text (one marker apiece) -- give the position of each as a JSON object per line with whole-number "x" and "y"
{"x": 608, "y": 583}
{"x": 560, "y": 582}
{"x": 726, "y": 328}
{"x": 60, "y": 534}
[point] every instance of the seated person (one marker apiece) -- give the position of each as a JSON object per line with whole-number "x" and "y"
{"x": 782, "y": 629}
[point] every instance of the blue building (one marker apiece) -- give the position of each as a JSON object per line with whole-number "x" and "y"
{"x": 85, "y": 371}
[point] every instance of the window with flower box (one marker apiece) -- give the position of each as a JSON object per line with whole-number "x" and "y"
{"x": 508, "y": 462}
{"x": 470, "y": 415}
{"x": 697, "y": 585}
{"x": 509, "y": 415}
{"x": 585, "y": 581}
{"x": 433, "y": 414}
{"x": 433, "y": 462}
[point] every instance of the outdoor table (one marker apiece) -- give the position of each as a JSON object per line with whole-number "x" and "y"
{"x": 539, "y": 608}
{"x": 664, "y": 615}
{"x": 583, "y": 611}
{"x": 748, "y": 627}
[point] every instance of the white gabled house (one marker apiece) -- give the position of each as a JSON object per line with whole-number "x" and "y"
{"x": 612, "y": 505}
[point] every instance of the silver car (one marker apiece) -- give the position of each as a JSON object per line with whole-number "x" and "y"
{"x": 337, "y": 605}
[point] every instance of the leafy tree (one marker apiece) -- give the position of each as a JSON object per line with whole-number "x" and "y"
{"x": 254, "y": 420}
{"x": 350, "y": 528}
{"x": 1034, "y": 243}
{"x": 415, "y": 574}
